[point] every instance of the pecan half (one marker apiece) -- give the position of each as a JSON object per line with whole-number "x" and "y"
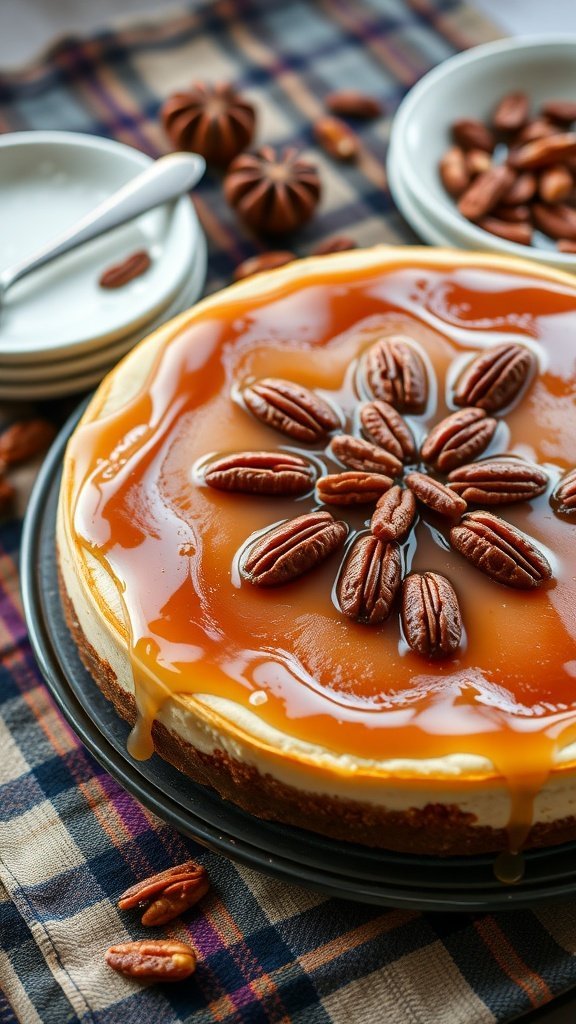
{"x": 353, "y": 488}
{"x": 458, "y": 438}
{"x": 454, "y": 170}
{"x": 485, "y": 192}
{"x": 556, "y": 183}
{"x": 563, "y": 111}
{"x": 564, "y": 496}
{"x": 337, "y": 138}
{"x": 435, "y": 495}
{"x": 394, "y": 514}
{"x": 154, "y": 959}
{"x": 25, "y": 440}
{"x": 369, "y": 580}
{"x": 539, "y": 128}
{"x": 263, "y": 261}
{"x": 522, "y": 190}
{"x": 351, "y": 103}
{"x": 121, "y": 273}
{"x": 362, "y": 455}
{"x": 494, "y": 378}
{"x": 498, "y": 481}
{"x": 260, "y": 473}
{"x": 337, "y": 243}
{"x": 520, "y": 233}
{"x": 395, "y": 373}
{"x": 384, "y": 426}
{"x": 511, "y": 112}
{"x": 292, "y": 548}
{"x": 168, "y": 893}
{"x": 472, "y": 134}
{"x": 541, "y": 152}
{"x": 430, "y": 614}
{"x": 558, "y": 221}
{"x": 566, "y": 245}
{"x": 478, "y": 161}
{"x": 291, "y": 408}
{"x": 500, "y": 550}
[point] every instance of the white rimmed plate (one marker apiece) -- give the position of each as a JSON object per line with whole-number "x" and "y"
{"x": 71, "y": 379}
{"x": 48, "y": 180}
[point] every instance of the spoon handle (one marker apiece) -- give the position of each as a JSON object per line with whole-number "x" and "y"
{"x": 165, "y": 179}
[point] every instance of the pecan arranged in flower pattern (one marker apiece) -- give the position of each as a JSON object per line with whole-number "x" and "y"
{"x": 494, "y": 378}
{"x": 292, "y": 548}
{"x": 291, "y": 408}
{"x": 385, "y": 470}
{"x": 395, "y": 372}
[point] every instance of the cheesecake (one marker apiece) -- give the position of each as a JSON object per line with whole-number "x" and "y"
{"x": 317, "y": 544}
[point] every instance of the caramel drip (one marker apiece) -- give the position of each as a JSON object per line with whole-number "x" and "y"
{"x": 170, "y": 544}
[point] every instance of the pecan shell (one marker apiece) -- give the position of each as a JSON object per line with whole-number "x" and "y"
{"x": 394, "y": 514}
{"x": 260, "y": 473}
{"x": 168, "y": 893}
{"x": 435, "y": 495}
{"x": 291, "y": 408}
{"x": 458, "y": 438}
{"x": 430, "y": 614}
{"x": 364, "y": 456}
{"x": 352, "y": 488}
{"x": 500, "y": 550}
{"x": 494, "y": 378}
{"x": 292, "y": 548}
{"x": 498, "y": 481}
{"x": 395, "y": 373}
{"x": 384, "y": 426}
{"x": 564, "y": 496}
{"x": 370, "y": 580}
{"x": 154, "y": 959}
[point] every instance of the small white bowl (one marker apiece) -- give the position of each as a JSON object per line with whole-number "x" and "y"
{"x": 470, "y": 85}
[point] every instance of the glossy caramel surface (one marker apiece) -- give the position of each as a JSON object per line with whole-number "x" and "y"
{"x": 172, "y": 544}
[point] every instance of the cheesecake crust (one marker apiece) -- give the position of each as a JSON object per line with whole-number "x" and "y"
{"x": 436, "y": 829}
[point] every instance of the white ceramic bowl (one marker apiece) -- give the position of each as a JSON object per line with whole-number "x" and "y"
{"x": 470, "y": 85}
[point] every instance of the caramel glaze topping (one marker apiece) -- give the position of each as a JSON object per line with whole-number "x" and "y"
{"x": 172, "y": 544}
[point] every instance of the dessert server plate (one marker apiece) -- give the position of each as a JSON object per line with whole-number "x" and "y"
{"x": 345, "y": 870}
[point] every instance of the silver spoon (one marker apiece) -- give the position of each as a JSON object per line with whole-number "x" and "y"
{"x": 167, "y": 178}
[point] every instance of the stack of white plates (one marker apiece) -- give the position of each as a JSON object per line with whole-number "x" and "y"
{"x": 60, "y": 332}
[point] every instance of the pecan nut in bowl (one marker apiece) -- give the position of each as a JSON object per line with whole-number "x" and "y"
{"x": 407, "y": 658}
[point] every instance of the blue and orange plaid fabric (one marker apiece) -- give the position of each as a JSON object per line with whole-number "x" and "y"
{"x": 71, "y": 840}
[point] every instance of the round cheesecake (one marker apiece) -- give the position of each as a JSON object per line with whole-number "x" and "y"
{"x": 316, "y": 540}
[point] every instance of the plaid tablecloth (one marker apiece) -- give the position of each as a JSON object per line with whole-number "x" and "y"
{"x": 70, "y": 839}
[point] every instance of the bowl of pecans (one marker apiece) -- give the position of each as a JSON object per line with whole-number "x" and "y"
{"x": 483, "y": 151}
